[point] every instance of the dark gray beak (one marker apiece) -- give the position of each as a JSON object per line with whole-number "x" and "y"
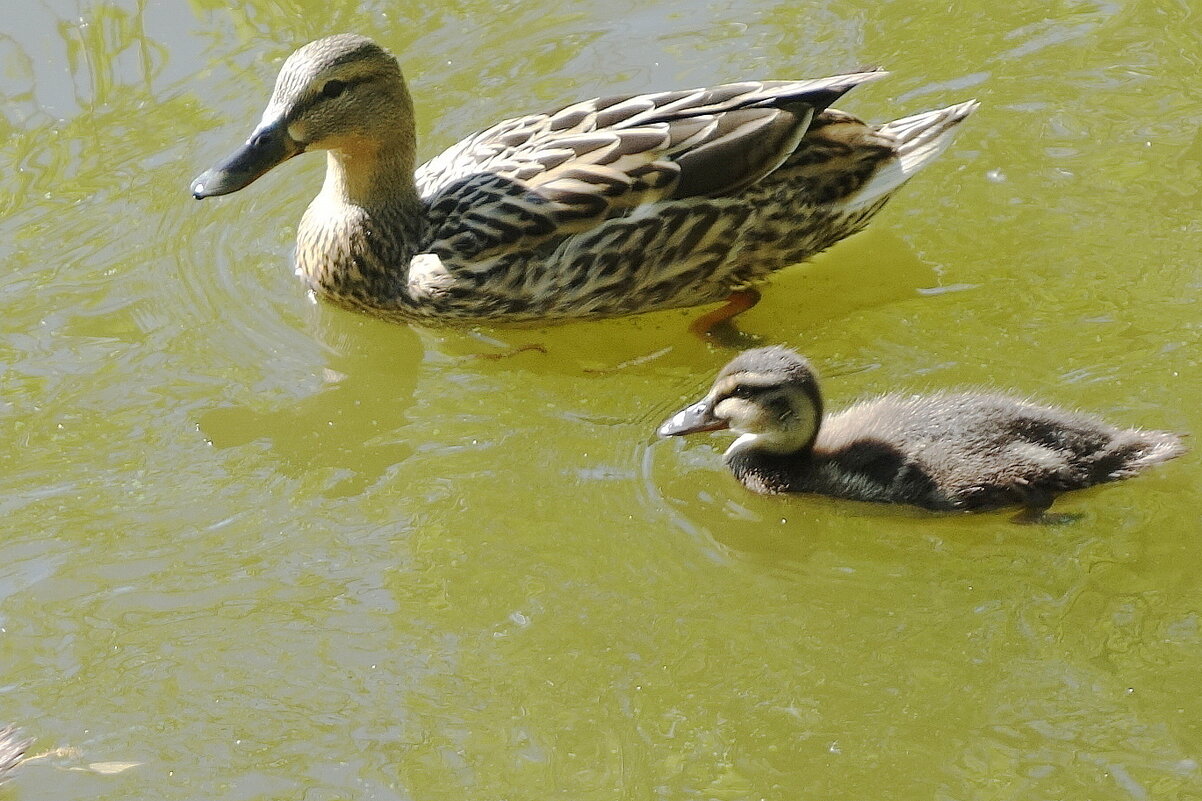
{"x": 691, "y": 420}
{"x": 269, "y": 146}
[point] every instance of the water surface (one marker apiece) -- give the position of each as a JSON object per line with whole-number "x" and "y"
{"x": 265, "y": 549}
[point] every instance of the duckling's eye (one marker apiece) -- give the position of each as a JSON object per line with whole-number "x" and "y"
{"x": 333, "y": 88}
{"x": 741, "y": 391}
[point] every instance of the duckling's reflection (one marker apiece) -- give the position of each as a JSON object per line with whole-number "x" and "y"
{"x": 734, "y": 528}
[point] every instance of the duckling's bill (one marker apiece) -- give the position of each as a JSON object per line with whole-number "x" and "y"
{"x": 269, "y": 146}
{"x": 692, "y": 420}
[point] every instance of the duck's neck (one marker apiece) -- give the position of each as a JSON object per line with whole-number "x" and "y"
{"x": 377, "y": 177}
{"x": 360, "y": 232}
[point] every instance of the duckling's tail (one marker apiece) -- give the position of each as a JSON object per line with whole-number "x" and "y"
{"x": 919, "y": 141}
{"x": 1135, "y": 450}
{"x": 12, "y": 750}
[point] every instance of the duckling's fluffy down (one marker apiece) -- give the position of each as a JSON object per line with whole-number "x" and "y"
{"x": 958, "y": 450}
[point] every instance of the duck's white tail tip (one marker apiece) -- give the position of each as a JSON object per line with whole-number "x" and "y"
{"x": 920, "y": 139}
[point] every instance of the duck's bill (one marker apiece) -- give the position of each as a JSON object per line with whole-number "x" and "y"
{"x": 268, "y": 146}
{"x": 692, "y": 420}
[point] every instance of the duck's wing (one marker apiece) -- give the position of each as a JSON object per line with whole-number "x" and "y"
{"x": 545, "y": 175}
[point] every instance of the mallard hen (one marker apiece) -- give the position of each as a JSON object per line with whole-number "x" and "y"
{"x": 947, "y": 450}
{"x": 605, "y": 207}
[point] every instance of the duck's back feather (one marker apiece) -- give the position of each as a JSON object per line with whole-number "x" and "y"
{"x": 647, "y": 126}
{"x": 544, "y": 176}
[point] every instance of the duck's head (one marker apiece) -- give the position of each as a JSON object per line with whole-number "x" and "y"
{"x": 767, "y": 395}
{"x": 343, "y": 93}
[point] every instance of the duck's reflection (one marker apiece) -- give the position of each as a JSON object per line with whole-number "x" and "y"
{"x": 354, "y": 426}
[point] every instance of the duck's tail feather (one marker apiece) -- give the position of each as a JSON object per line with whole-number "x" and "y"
{"x": 920, "y": 139}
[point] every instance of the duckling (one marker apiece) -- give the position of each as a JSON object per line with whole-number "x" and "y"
{"x": 12, "y": 750}
{"x": 943, "y": 451}
{"x": 607, "y": 207}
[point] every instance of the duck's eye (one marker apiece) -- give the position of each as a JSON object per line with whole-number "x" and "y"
{"x": 333, "y": 88}
{"x": 741, "y": 391}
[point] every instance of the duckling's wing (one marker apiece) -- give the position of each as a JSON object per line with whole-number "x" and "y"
{"x": 545, "y": 175}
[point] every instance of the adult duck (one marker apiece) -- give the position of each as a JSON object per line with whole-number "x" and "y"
{"x": 606, "y": 207}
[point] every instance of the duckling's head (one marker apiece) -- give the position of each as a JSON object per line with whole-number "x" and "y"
{"x": 343, "y": 93}
{"x": 769, "y": 396}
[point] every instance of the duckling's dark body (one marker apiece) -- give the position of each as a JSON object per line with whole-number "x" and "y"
{"x": 943, "y": 451}
{"x": 955, "y": 451}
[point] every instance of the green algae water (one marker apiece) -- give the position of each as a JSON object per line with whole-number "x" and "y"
{"x": 254, "y": 548}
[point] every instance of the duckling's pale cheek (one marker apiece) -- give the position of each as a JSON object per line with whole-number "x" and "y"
{"x": 743, "y": 416}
